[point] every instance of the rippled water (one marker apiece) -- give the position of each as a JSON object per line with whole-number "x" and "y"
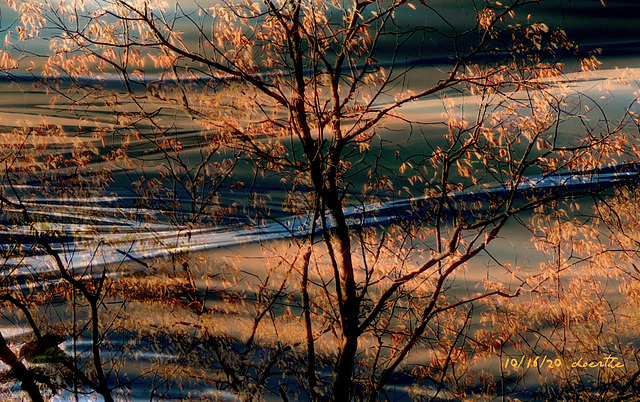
{"x": 93, "y": 231}
{"x": 124, "y": 229}
{"x": 103, "y": 229}
{"x": 112, "y": 227}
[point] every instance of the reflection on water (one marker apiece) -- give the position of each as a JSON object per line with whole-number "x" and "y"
{"x": 94, "y": 231}
{"x": 98, "y": 231}
{"x": 114, "y": 226}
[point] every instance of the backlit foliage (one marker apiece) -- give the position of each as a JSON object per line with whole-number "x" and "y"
{"x": 383, "y": 212}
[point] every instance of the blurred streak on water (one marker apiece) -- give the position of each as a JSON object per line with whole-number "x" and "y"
{"x": 126, "y": 231}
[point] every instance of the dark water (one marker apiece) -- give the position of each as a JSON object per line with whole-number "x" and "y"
{"x": 94, "y": 231}
{"x": 128, "y": 231}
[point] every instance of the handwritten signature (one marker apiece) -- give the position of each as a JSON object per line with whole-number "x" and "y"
{"x": 544, "y": 361}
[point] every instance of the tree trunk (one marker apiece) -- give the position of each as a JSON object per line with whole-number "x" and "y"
{"x": 342, "y": 386}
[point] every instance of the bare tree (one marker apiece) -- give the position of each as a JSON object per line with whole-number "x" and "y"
{"x": 308, "y": 94}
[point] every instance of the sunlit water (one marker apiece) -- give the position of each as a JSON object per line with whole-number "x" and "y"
{"x": 98, "y": 231}
{"x": 108, "y": 228}
{"x": 102, "y": 230}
